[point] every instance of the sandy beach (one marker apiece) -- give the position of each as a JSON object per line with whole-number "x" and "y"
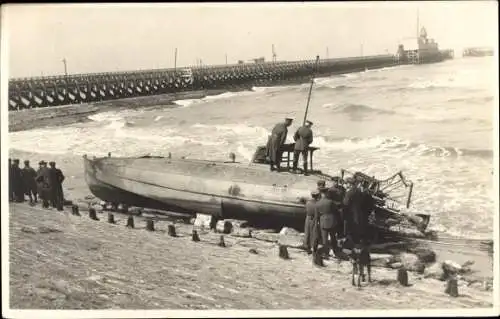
{"x": 86, "y": 264}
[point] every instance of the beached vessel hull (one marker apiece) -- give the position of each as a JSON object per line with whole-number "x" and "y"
{"x": 222, "y": 189}
{"x": 228, "y": 190}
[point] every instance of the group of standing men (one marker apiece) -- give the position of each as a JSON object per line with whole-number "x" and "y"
{"x": 303, "y": 137}
{"x": 45, "y": 183}
{"x": 336, "y": 212}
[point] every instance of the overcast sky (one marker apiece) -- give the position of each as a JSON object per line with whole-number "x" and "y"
{"x": 100, "y": 38}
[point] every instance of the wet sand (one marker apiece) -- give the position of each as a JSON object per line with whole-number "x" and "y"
{"x": 86, "y": 264}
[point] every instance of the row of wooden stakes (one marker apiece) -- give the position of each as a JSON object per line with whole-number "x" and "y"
{"x": 283, "y": 251}
{"x": 402, "y": 274}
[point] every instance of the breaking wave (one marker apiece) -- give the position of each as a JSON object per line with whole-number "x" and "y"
{"x": 398, "y": 144}
{"x": 325, "y": 87}
{"x": 356, "y": 108}
{"x": 474, "y": 100}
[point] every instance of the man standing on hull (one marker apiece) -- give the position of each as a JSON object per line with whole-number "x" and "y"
{"x": 303, "y": 138}
{"x": 276, "y": 142}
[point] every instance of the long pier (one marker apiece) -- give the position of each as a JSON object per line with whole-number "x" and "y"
{"x": 27, "y": 93}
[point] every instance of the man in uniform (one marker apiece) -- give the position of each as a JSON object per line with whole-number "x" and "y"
{"x": 11, "y": 182}
{"x": 367, "y": 206}
{"x": 17, "y": 181}
{"x": 276, "y": 142}
{"x": 328, "y": 220}
{"x": 303, "y": 138}
{"x": 29, "y": 176}
{"x": 310, "y": 222}
{"x": 354, "y": 212}
{"x": 56, "y": 178}
{"x": 338, "y": 192}
{"x": 43, "y": 183}
{"x": 321, "y": 184}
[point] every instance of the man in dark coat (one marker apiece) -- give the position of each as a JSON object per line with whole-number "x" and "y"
{"x": 338, "y": 192}
{"x": 11, "y": 182}
{"x": 310, "y": 222}
{"x": 367, "y": 207}
{"x": 303, "y": 138}
{"x": 328, "y": 219}
{"x": 43, "y": 183}
{"x": 17, "y": 181}
{"x": 29, "y": 176}
{"x": 356, "y": 203}
{"x": 56, "y": 178}
{"x": 276, "y": 141}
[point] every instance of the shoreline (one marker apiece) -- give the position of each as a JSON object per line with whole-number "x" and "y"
{"x": 78, "y": 113}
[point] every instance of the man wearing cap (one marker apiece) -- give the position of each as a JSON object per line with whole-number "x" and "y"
{"x": 321, "y": 187}
{"x": 328, "y": 220}
{"x": 29, "y": 176}
{"x": 367, "y": 205}
{"x": 276, "y": 142}
{"x": 43, "y": 183}
{"x": 338, "y": 197}
{"x": 17, "y": 181}
{"x": 353, "y": 211}
{"x": 56, "y": 178}
{"x": 310, "y": 221}
{"x": 11, "y": 182}
{"x": 303, "y": 138}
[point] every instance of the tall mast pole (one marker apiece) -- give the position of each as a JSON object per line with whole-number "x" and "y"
{"x": 175, "y": 59}
{"x": 418, "y": 22}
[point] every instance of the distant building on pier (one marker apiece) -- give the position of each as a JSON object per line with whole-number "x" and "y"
{"x": 424, "y": 50}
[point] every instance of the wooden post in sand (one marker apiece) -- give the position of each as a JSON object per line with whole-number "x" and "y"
{"x": 221, "y": 242}
{"x": 283, "y": 252}
{"x": 195, "y": 236}
{"x": 92, "y": 214}
{"x": 111, "y": 218}
{"x": 171, "y": 231}
{"x": 318, "y": 259}
{"x": 403, "y": 277}
{"x": 130, "y": 222}
{"x": 75, "y": 210}
{"x": 150, "y": 226}
{"x": 452, "y": 287}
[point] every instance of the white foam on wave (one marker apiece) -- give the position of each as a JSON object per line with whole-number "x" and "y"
{"x": 159, "y": 117}
{"x": 187, "y": 102}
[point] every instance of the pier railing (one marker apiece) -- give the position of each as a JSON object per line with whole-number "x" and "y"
{"x": 25, "y": 93}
